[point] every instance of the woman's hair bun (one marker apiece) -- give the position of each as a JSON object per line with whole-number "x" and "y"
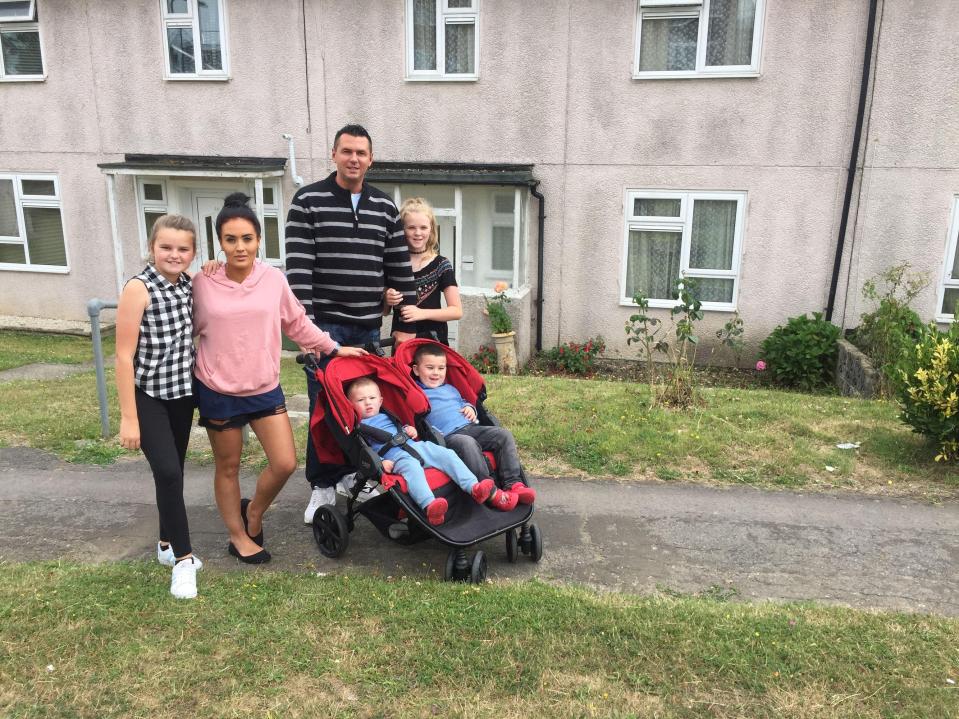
{"x": 237, "y": 199}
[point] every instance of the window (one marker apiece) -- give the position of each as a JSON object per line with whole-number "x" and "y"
{"x": 20, "y": 54}
{"x": 31, "y": 224}
{"x": 441, "y": 39}
{"x": 271, "y": 247}
{"x": 190, "y": 26}
{"x": 683, "y": 234}
{"x": 481, "y": 231}
{"x": 696, "y": 38}
{"x": 949, "y": 290}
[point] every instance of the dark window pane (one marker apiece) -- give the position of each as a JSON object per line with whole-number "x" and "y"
{"x": 459, "y": 4}
{"x": 149, "y": 217}
{"x": 460, "y": 48}
{"x": 47, "y": 188}
{"x": 45, "y": 236}
{"x": 210, "y": 235}
{"x": 949, "y": 300}
{"x": 267, "y": 195}
{"x": 15, "y": 11}
{"x": 177, "y": 6}
{"x": 12, "y": 253}
{"x": 271, "y": 234}
{"x": 656, "y": 207}
{"x": 668, "y": 44}
{"x": 210, "y": 49}
{"x": 8, "y": 210}
{"x": 152, "y": 191}
{"x": 21, "y": 52}
{"x": 653, "y": 263}
{"x": 424, "y": 34}
{"x": 730, "y": 34}
{"x": 180, "y": 41}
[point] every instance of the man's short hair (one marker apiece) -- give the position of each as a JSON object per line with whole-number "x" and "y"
{"x": 354, "y": 131}
{"x": 432, "y": 349}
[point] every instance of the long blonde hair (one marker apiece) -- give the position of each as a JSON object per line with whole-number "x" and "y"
{"x": 169, "y": 222}
{"x": 418, "y": 204}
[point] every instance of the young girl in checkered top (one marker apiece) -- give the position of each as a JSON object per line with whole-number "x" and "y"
{"x": 154, "y": 365}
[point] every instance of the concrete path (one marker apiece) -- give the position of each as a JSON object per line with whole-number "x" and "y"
{"x": 845, "y": 549}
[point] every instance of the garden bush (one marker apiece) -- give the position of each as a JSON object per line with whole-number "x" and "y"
{"x": 927, "y": 385}
{"x": 802, "y": 353}
{"x": 575, "y": 358}
{"x": 485, "y": 360}
{"x": 892, "y": 328}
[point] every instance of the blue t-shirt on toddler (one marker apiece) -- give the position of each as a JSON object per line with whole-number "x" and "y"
{"x": 446, "y": 404}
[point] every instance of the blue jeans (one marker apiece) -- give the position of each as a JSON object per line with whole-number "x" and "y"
{"x": 433, "y": 455}
{"x": 327, "y": 475}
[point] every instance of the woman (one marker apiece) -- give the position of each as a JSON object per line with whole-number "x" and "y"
{"x": 239, "y": 312}
{"x": 434, "y": 275}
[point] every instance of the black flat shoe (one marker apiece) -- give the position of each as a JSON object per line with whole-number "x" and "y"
{"x": 261, "y": 557}
{"x": 244, "y": 503}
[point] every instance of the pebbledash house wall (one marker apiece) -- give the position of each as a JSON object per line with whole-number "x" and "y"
{"x": 556, "y": 91}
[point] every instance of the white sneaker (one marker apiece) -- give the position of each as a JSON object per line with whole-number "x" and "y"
{"x": 319, "y": 497}
{"x": 345, "y": 487}
{"x": 183, "y": 579}
{"x": 165, "y": 556}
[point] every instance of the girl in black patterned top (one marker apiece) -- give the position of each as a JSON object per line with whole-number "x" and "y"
{"x": 154, "y": 383}
{"x": 435, "y": 279}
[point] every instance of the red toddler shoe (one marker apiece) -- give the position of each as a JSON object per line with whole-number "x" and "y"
{"x": 436, "y": 511}
{"x": 483, "y": 490}
{"x": 524, "y": 494}
{"x": 503, "y": 501}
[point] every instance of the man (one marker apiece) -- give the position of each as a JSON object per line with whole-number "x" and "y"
{"x": 344, "y": 246}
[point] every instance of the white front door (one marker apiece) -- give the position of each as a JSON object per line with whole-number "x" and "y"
{"x": 446, "y": 231}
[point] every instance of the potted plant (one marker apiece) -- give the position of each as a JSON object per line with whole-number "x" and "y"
{"x": 501, "y": 325}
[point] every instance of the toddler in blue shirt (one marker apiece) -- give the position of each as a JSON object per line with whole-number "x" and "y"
{"x": 455, "y": 418}
{"x": 404, "y": 457}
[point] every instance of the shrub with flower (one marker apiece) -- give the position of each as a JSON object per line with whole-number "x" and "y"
{"x": 574, "y": 357}
{"x": 485, "y": 360}
{"x": 499, "y": 319}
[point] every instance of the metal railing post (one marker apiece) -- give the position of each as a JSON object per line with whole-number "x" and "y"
{"x": 93, "y": 309}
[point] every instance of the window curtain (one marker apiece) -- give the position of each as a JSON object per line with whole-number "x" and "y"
{"x": 424, "y": 34}
{"x": 730, "y": 35}
{"x": 45, "y": 236}
{"x": 8, "y": 210}
{"x": 21, "y": 52}
{"x": 713, "y": 233}
{"x": 654, "y": 262}
{"x": 668, "y": 44}
{"x": 460, "y": 46}
{"x": 656, "y": 207}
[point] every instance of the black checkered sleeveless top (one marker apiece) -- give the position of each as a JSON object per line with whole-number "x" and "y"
{"x": 163, "y": 366}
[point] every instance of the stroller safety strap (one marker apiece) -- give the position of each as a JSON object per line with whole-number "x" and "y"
{"x": 400, "y": 439}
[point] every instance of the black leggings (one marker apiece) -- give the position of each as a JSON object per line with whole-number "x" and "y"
{"x": 164, "y": 435}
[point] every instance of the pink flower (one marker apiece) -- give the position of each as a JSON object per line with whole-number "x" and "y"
{"x": 500, "y": 287}
{"x": 760, "y": 366}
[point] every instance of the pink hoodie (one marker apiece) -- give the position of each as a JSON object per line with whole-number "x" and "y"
{"x": 238, "y": 326}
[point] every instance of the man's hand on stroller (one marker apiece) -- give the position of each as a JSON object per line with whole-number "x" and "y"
{"x": 351, "y": 351}
{"x": 410, "y": 431}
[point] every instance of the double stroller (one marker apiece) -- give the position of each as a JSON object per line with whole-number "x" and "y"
{"x": 337, "y": 440}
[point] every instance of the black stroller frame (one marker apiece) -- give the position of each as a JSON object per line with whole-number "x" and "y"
{"x": 468, "y": 523}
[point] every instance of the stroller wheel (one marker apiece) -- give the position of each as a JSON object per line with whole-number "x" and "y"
{"x": 457, "y": 568}
{"x": 512, "y": 545}
{"x": 330, "y": 531}
{"x": 450, "y": 569}
{"x": 536, "y": 543}
{"x": 478, "y": 568}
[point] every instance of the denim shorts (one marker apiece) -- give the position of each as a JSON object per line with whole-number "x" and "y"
{"x": 220, "y": 411}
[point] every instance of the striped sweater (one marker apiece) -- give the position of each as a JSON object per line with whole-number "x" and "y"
{"x": 338, "y": 261}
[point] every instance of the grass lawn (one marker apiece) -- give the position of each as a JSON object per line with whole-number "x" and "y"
{"x": 596, "y": 428}
{"x": 114, "y": 644}
{"x": 22, "y": 348}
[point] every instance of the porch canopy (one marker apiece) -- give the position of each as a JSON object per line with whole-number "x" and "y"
{"x": 255, "y": 168}
{"x": 450, "y": 173}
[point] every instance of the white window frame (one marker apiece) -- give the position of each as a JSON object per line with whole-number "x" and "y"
{"x": 191, "y": 19}
{"x": 948, "y": 282}
{"x": 683, "y": 225}
{"x": 692, "y": 8}
{"x": 20, "y": 201}
{"x": 144, "y": 205}
{"x": 23, "y": 23}
{"x": 271, "y": 210}
{"x": 445, "y": 15}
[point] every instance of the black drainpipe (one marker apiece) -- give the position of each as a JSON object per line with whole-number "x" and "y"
{"x": 539, "y": 264}
{"x": 853, "y": 158}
